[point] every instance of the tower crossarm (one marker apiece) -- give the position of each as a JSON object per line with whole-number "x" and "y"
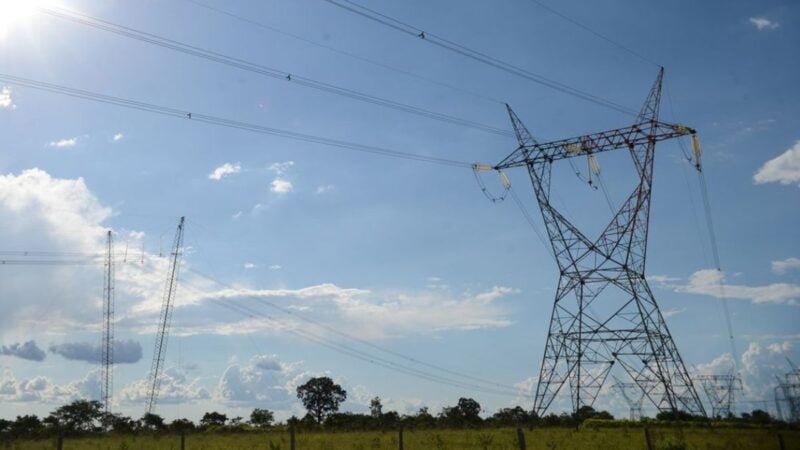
{"x": 640, "y": 133}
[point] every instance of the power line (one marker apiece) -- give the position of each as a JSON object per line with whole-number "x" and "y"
{"x": 477, "y": 55}
{"x": 596, "y": 33}
{"x": 218, "y": 121}
{"x": 352, "y": 337}
{"x": 343, "y": 52}
{"x": 242, "y": 64}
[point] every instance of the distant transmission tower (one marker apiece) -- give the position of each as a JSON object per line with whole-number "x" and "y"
{"x": 721, "y": 391}
{"x": 788, "y": 393}
{"x": 107, "y": 347}
{"x": 162, "y": 335}
{"x": 634, "y": 397}
{"x": 583, "y": 344}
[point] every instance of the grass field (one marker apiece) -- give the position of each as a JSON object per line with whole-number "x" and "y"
{"x": 494, "y": 439}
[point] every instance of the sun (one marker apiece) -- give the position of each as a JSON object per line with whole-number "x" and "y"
{"x": 15, "y": 13}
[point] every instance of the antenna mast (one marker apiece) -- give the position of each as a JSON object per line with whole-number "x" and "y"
{"x": 162, "y": 335}
{"x": 107, "y": 348}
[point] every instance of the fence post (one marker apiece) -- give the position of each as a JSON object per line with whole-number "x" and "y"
{"x": 183, "y": 440}
{"x": 521, "y": 439}
{"x": 291, "y": 437}
{"x": 400, "y": 442}
{"x": 60, "y": 442}
{"x": 780, "y": 442}
{"x": 648, "y": 439}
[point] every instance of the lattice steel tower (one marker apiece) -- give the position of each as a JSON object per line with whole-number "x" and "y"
{"x": 107, "y": 347}
{"x": 165, "y": 319}
{"x": 721, "y": 391}
{"x": 607, "y": 273}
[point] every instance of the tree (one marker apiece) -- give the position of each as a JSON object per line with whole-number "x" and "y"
{"x": 321, "y": 396}
{"x": 181, "y": 425}
{"x": 26, "y": 425}
{"x": 213, "y": 418}
{"x": 511, "y": 417}
{"x": 80, "y": 416}
{"x": 375, "y": 407}
{"x": 759, "y": 416}
{"x": 262, "y": 418}
{"x": 470, "y": 409}
{"x": 153, "y": 421}
{"x": 118, "y": 423}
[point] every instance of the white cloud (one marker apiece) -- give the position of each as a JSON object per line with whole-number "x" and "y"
{"x": 6, "y": 102}
{"x": 784, "y": 168}
{"x": 224, "y": 171}
{"x": 64, "y": 143}
{"x": 41, "y": 212}
{"x": 249, "y": 265}
{"x": 26, "y": 350}
{"x": 661, "y": 279}
{"x": 365, "y": 313}
{"x": 118, "y": 137}
{"x": 672, "y": 312}
{"x": 762, "y": 23}
{"x": 707, "y": 282}
{"x": 264, "y": 380}
{"x": 40, "y": 389}
{"x": 281, "y": 167}
{"x": 281, "y": 186}
{"x": 324, "y": 189}
{"x": 175, "y": 387}
{"x": 786, "y": 265}
{"x": 275, "y": 267}
{"x": 236, "y": 215}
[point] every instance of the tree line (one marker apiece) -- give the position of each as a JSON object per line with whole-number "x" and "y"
{"x": 322, "y": 398}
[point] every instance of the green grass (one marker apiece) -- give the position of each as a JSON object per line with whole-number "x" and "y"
{"x": 490, "y": 439}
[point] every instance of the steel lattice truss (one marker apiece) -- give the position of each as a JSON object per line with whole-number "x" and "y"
{"x": 582, "y": 347}
{"x": 634, "y": 397}
{"x": 721, "y": 391}
{"x": 107, "y": 347}
{"x": 162, "y": 335}
{"x": 788, "y": 392}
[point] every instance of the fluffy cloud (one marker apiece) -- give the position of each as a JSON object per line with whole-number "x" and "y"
{"x": 175, "y": 387}
{"x": 249, "y": 265}
{"x": 41, "y": 212}
{"x": 118, "y": 137}
{"x": 64, "y": 143}
{"x": 762, "y": 23}
{"x": 6, "y": 102}
{"x": 263, "y": 380}
{"x": 41, "y": 389}
{"x": 281, "y": 186}
{"x": 707, "y": 282}
{"x": 27, "y": 350}
{"x": 784, "y": 168}
{"x": 364, "y": 313}
{"x": 125, "y": 351}
{"x": 224, "y": 171}
{"x": 786, "y": 265}
{"x": 281, "y": 167}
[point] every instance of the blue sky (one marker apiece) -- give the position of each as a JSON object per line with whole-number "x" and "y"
{"x": 406, "y": 255}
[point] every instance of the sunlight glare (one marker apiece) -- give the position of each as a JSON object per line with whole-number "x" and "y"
{"x": 15, "y": 13}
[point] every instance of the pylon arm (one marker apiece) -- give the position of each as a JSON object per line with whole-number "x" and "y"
{"x": 603, "y": 141}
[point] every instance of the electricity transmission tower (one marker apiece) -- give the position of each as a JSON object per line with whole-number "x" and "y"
{"x": 107, "y": 347}
{"x": 721, "y": 391}
{"x": 788, "y": 393}
{"x": 162, "y": 335}
{"x": 582, "y": 344}
{"x": 633, "y": 395}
